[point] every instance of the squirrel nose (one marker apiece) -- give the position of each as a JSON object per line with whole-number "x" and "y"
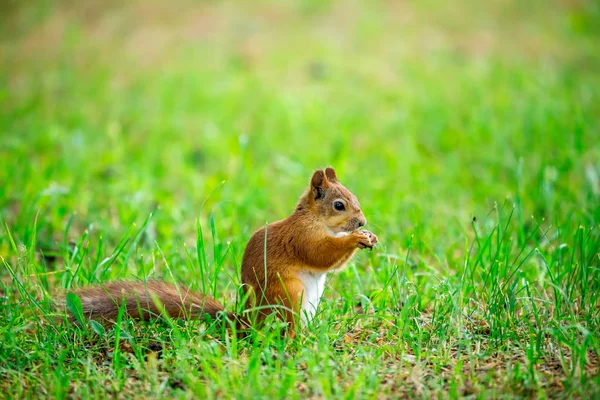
{"x": 362, "y": 222}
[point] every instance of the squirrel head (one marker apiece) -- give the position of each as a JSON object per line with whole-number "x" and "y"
{"x": 333, "y": 205}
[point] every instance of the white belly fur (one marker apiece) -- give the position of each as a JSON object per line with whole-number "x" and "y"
{"x": 314, "y": 285}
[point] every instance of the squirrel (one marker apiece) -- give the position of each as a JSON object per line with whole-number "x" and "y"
{"x": 319, "y": 236}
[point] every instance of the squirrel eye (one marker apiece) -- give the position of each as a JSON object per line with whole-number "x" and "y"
{"x": 338, "y": 205}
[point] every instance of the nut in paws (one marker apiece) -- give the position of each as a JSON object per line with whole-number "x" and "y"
{"x": 366, "y": 239}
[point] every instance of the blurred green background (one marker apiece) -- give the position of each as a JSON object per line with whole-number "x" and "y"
{"x": 431, "y": 112}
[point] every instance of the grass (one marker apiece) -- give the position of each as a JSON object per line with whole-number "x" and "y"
{"x": 150, "y": 141}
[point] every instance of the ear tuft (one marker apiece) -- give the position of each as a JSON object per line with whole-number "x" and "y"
{"x": 331, "y": 176}
{"x": 318, "y": 178}
{"x": 318, "y": 183}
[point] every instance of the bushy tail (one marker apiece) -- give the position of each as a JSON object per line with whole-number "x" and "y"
{"x": 144, "y": 300}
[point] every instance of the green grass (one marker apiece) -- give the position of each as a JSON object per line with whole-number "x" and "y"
{"x": 150, "y": 141}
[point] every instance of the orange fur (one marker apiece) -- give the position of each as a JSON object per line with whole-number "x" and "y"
{"x": 304, "y": 241}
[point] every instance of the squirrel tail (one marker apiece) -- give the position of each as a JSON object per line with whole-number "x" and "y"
{"x": 144, "y": 300}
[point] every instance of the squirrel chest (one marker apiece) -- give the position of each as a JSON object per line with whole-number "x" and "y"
{"x": 314, "y": 285}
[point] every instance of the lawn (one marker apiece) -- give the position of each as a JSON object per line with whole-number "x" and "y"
{"x": 149, "y": 140}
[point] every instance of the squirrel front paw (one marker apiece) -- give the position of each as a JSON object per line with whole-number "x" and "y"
{"x": 365, "y": 239}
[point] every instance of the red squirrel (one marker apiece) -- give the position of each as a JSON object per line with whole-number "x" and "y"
{"x": 321, "y": 235}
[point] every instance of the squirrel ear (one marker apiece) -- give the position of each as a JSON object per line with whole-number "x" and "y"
{"x": 330, "y": 173}
{"x": 318, "y": 183}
